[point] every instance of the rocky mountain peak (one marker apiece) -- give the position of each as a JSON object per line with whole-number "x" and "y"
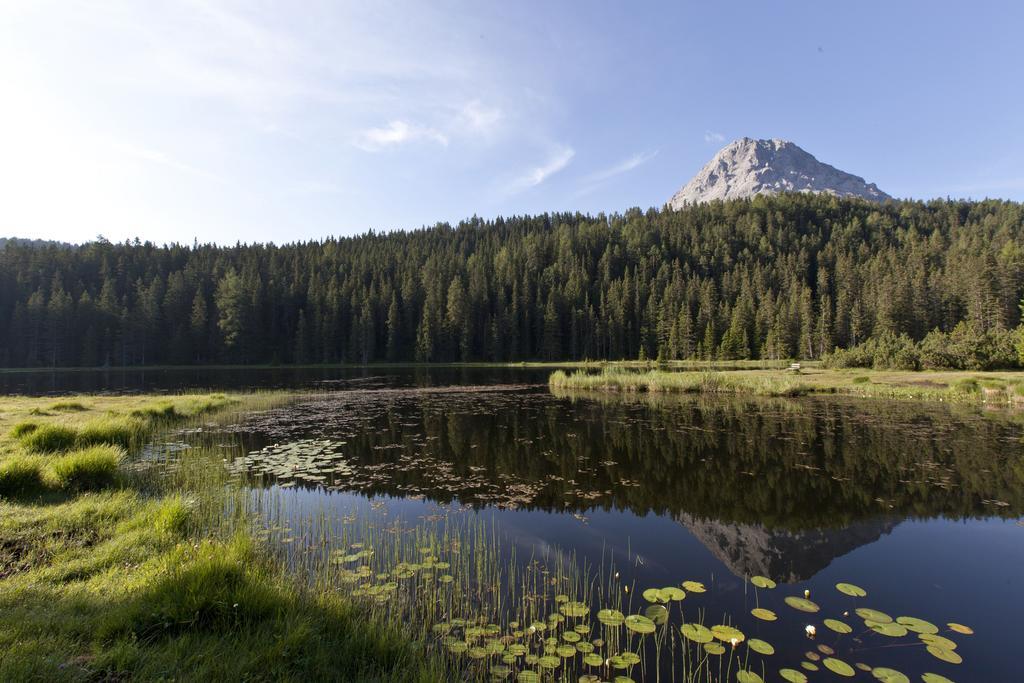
{"x": 747, "y": 167}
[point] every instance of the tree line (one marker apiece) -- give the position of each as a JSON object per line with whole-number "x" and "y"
{"x": 789, "y": 276}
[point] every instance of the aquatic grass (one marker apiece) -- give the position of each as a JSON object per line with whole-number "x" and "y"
{"x": 88, "y": 469}
{"x": 655, "y": 381}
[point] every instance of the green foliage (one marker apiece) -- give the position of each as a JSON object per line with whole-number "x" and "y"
{"x": 88, "y": 469}
{"x": 790, "y": 276}
{"x": 68, "y": 406}
{"x": 964, "y": 348}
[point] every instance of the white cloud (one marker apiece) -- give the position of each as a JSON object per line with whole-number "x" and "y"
{"x": 622, "y": 167}
{"x": 397, "y": 133}
{"x": 479, "y": 117}
{"x": 711, "y": 136}
{"x": 535, "y": 176}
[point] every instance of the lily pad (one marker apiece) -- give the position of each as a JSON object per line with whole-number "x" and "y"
{"x": 809, "y": 666}
{"x": 764, "y": 614}
{"x": 934, "y": 678}
{"x": 657, "y": 613}
{"x": 944, "y": 654}
{"x": 802, "y": 604}
{"x": 630, "y": 658}
{"x": 937, "y": 640}
{"x": 698, "y": 633}
{"x": 549, "y": 662}
{"x": 574, "y": 609}
{"x": 887, "y": 675}
{"x": 892, "y": 629}
{"x": 593, "y": 659}
{"x": 694, "y": 586}
{"x": 838, "y": 666}
{"x": 761, "y": 647}
{"x": 748, "y": 676}
{"x": 793, "y": 676}
{"x": 637, "y": 623}
{"x": 917, "y": 625}
{"x": 762, "y": 582}
{"x": 714, "y": 648}
{"x": 727, "y": 633}
{"x": 565, "y": 651}
{"x": 654, "y": 595}
{"x": 960, "y": 628}
{"x": 611, "y": 617}
{"x": 838, "y": 626}
{"x": 528, "y": 677}
{"x": 873, "y": 615}
{"x": 852, "y": 590}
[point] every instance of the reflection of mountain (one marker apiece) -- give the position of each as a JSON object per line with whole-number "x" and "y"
{"x": 785, "y": 556}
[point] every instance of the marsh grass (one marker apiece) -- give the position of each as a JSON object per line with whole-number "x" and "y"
{"x": 990, "y": 388}
{"x": 112, "y": 567}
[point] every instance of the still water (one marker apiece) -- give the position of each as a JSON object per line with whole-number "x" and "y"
{"x": 919, "y": 505}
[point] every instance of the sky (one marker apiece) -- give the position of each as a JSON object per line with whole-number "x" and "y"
{"x": 267, "y": 121}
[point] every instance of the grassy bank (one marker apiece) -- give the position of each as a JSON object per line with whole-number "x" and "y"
{"x": 112, "y": 570}
{"x": 1001, "y": 388}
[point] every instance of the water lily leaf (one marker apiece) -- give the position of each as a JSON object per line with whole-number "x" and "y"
{"x": 838, "y": 626}
{"x": 528, "y": 677}
{"x": 944, "y": 654}
{"x": 630, "y": 658}
{"x": 873, "y": 615}
{"x": 937, "y": 641}
{"x": 637, "y": 623}
{"x": 727, "y": 633}
{"x": 593, "y": 659}
{"x": 611, "y": 617}
{"x": 714, "y": 648}
{"x": 960, "y": 628}
{"x": 549, "y": 662}
{"x": 809, "y": 666}
{"x": 892, "y": 629}
{"x": 623, "y": 679}
{"x": 748, "y": 676}
{"x": 584, "y": 648}
{"x": 764, "y": 614}
{"x": 654, "y": 595}
{"x": 657, "y": 613}
{"x": 761, "y": 647}
{"x": 589, "y": 678}
{"x": 793, "y": 676}
{"x": 851, "y": 590}
{"x": 672, "y": 593}
{"x": 565, "y": 651}
{"x": 934, "y": 678}
{"x": 762, "y": 582}
{"x": 838, "y": 666}
{"x": 698, "y": 633}
{"x": 571, "y": 637}
{"x": 574, "y": 609}
{"x": 802, "y": 604}
{"x": 694, "y": 586}
{"x": 887, "y": 675}
{"x": 917, "y": 625}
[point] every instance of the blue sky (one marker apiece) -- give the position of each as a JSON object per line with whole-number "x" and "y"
{"x": 280, "y": 121}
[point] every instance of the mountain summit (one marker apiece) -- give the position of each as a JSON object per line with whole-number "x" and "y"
{"x": 747, "y": 167}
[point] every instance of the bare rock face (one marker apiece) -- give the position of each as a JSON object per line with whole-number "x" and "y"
{"x": 747, "y": 167}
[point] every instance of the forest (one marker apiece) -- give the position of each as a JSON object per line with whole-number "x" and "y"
{"x": 905, "y": 283}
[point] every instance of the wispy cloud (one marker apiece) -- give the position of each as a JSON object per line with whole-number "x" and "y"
{"x": 624, "y": 166}
{"x": 599, "y": 178}
{"x": 397, "y": 133}
{"x": 711, "y": 136}
{"x": 155, "y": 156}
{"x": 537, "y": 175}
{"x": 478, "y": 117}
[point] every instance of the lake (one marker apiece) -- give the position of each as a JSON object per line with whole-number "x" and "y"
{"x": 605, "y": 497}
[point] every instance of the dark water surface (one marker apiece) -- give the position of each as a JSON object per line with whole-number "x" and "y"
{"x": 918, "y": 504}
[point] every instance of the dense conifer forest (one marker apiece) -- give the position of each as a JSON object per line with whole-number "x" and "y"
{"x": 792, "y": 276}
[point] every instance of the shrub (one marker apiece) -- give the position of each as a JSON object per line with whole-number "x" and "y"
{"x": 862, "y": 379}
{"x": 88, "y": 469}
{"x": 967, "y": 385}
{"x": 20, "y": 476}
{"x": 49, "y": 438}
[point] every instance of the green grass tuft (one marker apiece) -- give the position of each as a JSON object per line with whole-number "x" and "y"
{"x": 89, "y": 469}
{"x": 21, "y": 475}
{"x": 23, "y": 428}
{"x": 68, "y": 406}
{"x": 49, "y": 438}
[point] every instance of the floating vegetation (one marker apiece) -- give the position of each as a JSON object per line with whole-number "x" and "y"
{"x": 764, "y": 614}
{"x": 838, "y": 666}
{"x": 851, "y": 590}
{"x": 762, "y": 582}
{"x": 802, "y": 604}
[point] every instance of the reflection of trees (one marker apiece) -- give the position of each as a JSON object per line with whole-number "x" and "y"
{"x": 791, "y": 464}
